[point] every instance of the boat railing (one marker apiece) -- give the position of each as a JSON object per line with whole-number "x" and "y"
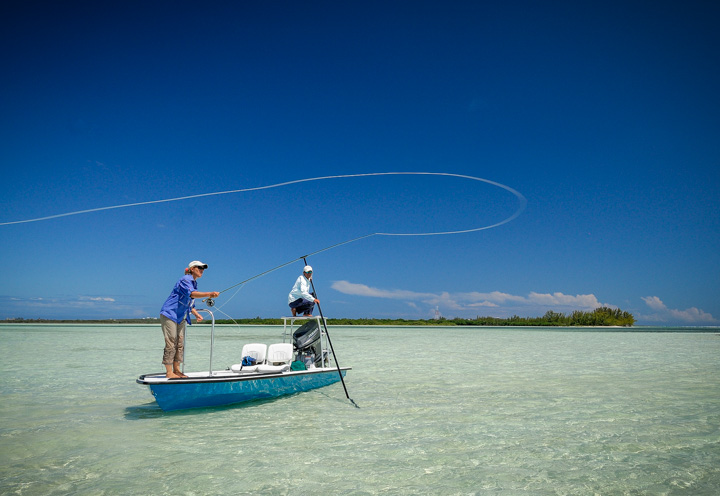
{"x": 212, "y": 341}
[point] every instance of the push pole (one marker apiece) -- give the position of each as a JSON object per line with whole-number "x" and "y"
{"x": 322, "y": 317}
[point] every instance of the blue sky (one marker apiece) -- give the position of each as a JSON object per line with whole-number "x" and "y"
{"x": 605, "y": 116}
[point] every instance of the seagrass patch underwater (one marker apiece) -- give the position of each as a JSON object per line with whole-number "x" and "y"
{"x": 442, "y": 410}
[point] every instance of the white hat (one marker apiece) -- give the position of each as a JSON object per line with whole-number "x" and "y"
{"x": 307, "y": 269}
{"x": 197, "y": 263}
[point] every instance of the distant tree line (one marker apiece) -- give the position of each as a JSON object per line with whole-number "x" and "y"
{"x": 602, "y": 316}
{"x": 599, "y": 317}
{"x": 20, "y": 320}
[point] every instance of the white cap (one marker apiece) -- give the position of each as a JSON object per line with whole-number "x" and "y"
{"x": 197, "y": 263}
{"x": 307, "y": 269}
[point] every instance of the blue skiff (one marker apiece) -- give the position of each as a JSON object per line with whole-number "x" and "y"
{"x": 227, "y": 387}
{"x": 273, "y": 371}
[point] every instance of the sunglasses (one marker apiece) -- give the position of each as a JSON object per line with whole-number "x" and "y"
{"x": 200, "y": 268}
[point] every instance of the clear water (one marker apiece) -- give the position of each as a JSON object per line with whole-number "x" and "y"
{"x": 452, "y": 411}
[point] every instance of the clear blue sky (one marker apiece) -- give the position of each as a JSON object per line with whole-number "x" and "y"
{"x": 604, "y": 115}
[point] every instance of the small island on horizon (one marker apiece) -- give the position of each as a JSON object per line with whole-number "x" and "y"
{"x": 600, "y": 317}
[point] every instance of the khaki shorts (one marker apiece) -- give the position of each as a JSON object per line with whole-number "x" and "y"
{"x": 174, "y": 340}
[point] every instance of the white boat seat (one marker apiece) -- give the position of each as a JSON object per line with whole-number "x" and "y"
{"x": 256, "y": 350}
{"x": 279, "y": 354}
{"x": 279, "y": 357}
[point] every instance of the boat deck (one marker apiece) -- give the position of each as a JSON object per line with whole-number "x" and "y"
{"x": 229, "y": 375}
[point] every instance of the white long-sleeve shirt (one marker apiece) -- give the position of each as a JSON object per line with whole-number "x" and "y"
{"x": 301, "y": 289}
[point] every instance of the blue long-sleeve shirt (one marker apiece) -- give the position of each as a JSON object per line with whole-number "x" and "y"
{"x": 179, "y": 304}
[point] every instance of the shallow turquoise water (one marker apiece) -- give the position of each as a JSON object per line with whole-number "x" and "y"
{"x": 452, "y": 411}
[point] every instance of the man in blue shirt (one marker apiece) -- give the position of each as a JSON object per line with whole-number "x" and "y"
{"x": 176, "y": 312}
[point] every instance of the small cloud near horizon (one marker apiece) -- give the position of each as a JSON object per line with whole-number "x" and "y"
{"x": 61, "y": 301}
{"x": 96, "y": 298}
{"x": 662, "y": 313}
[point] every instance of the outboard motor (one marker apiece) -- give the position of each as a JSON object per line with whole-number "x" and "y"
{"x": 306, "y": 341}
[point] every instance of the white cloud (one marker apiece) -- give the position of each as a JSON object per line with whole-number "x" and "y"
{"x": 496, "y": 297}
{"x": 81, "y": 302}
{"x": 71, "y": 307}
{"x": 96, "y": 298}
{"x": 588, "y": 301}
{"x": 350, "y": 288}
{"x": 489, "y": 304}
{"x": 654, "y": 302}
{"x": 692, "y": 315}
{"x": 471, "y": 302}
{"x": 662, "y": 313}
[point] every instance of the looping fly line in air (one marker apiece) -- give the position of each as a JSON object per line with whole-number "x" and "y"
{"x": 520, "y": 197}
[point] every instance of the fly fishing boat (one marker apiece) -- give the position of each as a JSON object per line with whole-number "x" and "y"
{"x": 301, "y": 362}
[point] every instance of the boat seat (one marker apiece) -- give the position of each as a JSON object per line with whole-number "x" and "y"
{"x": 256, "y": 350}
{"x": 280, "y": 353}
{"x": 279, "y": 357}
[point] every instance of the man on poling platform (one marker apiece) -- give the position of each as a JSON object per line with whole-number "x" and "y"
{"x": 301, "y": 300}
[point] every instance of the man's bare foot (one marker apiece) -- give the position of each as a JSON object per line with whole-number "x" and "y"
{"x": 171, "y": 375}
